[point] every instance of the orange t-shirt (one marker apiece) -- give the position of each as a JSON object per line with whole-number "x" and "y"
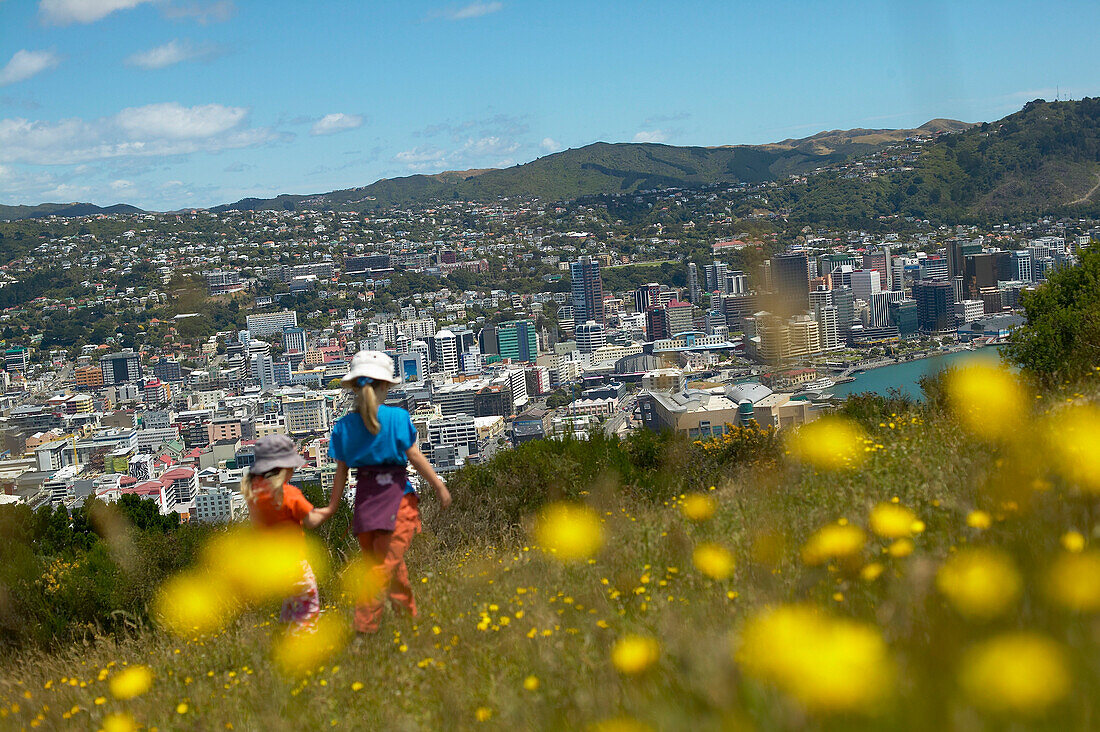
{"x": 294, "y": 509}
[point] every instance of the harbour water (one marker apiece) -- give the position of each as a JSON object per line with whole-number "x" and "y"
{"x": 906, "y": 375}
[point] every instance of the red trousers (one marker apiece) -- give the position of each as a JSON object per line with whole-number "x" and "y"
{"x": 385, "y": 552}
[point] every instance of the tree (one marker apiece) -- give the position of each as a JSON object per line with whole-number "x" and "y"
{"x": 1061, "y": 338}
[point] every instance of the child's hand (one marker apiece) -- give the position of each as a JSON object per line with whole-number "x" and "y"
{"x": 442, "y": 494}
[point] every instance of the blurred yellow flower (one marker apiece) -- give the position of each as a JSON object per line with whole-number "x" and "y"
{"x": 181, "y": 708}
{"x": 979, "y": 520}
{"x": 891, "y": 521}
{"x": 1073, "y": 438}
{"x": 871, "y": 572}
{"x": 980, "y": 583}
{"x": 192, "y": 603}
{"x": 131, "y": 682}
{"x": 698, "y": 507}
{"x": 1073, "y": 541}
{"x": 260, "y": 564}
{"x": 713, "y": 560}
{"x": 829, "y": 443}
{"x": 834, "y": 541}
{"x": 483, "y": 714}
{"x": 1021, "y": 673}
{"x": 531, "y": 683}
{"x": 359, "y": 581}
{"x": 828, "y": 664}
{"x": 988, "y": 400}
{"x": 119, "y": 722}
{"x": 569, "y": 531}
{"x": 299, "y": 651}
{"x": 633, "y": 654}
{"x": 619, "y": 724}
{"x": 1074, "y": 581}
{"x": 900, "y": 548}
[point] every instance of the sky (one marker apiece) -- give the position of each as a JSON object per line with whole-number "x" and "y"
{"x": 168, "y": 104}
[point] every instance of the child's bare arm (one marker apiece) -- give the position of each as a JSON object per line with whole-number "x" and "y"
{"x": 418, "y": 461}
{"x": 339, "y": 484}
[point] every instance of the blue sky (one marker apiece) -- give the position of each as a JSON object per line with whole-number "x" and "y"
{"x": 175, "y": 103}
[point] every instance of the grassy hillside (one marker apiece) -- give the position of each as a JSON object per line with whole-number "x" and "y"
{"x": 1043, "y": 159}
{"x": 614, "y": 168}
{"x": 918, "y": 568}
{"x": 72, "y": 210}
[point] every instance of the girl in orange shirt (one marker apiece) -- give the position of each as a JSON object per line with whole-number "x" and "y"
{"x": 274, "y": 502}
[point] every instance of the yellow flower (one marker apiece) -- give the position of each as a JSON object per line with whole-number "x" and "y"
{"x": 900, "y": 548}
{"x": 262, "y": 564}
{"x": 119, "y": 722}
{"x": 891, "y": 521}
{"x": 835, "y": 541}
{"x": 1021, "y": 673}
{"x": 633, "y": 654}
{"x": 131, "y": 682}
{"x": 698, "y": 507}
{"x": 569, "y": 531}
{"x": 300, "y": 651}
{"x": 483, "y": 714}
{"x": 531, "y": 683}
{"x": 1073, "y": 541}
{"x": 194, "y": 602}
{"x": 828, "y": 664}
{"x": 1074, "y": 581}
{"x": 357, "y": 686}
{"x": 829, "y": 443}
{"x": 988, "y": 400}
{"x": 979, "y": 520}
{"x": 713, "y": 560}
{"x": 619, "y": 724}
{"x": 871, "y": 572}
{"x": 981, "y": 583}
{"x": 1072, "y": 439}
{"x": 181, "y": 708}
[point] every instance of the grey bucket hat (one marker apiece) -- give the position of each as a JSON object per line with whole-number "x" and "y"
{"x": 275, "y": 451}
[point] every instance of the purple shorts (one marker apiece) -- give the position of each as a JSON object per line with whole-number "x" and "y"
{"x": 378, "y": 493}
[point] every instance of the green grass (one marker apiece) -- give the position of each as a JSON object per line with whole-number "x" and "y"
{"x": 643, "y": 582}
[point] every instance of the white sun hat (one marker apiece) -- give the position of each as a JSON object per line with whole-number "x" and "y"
{"x": 374, "y": 365}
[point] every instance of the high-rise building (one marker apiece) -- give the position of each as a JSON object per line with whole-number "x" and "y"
{"x": 827, "y": 328}
{"x": 410, "y": 368}
{"x": 695, "y": 293}
{"x": 518, "y": 340}
{"x": 716, "y": 277}
{"x": 903, "y": 316}
{"x": 263, "y": 371}
{"x": 488, "y": 340}
{"x": 656, "y": 325}
{"x": 1021, "y": 261}
{"x": 15, "y": 359}
{"x": 865, "y": 283}
{"x": 294, "y": 339}
{"x": 590, "y": 336}
{"x": 586, "y": 290}
{"x": 880, "y": 262}
{"x": 737, "y": 283}
{"x": 879, "y": 307}
{"x": 306, "y": 414}
{"x": 845, "y": 309}
{"x": 168, "y": 370}
{"x": 790, "y": 275}
{"x": 446, "y": 352}
{"x": 646, "y": 297}
{"x": 120, "y": 368}
{"x": 935, "y": 306}
{"x": 266, "y": 324}
{"x": 678, "y": 318}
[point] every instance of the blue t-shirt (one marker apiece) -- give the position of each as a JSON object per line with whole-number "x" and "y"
{"x": 351, "y": 443}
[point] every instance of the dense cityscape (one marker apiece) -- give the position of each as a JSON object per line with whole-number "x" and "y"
{"x": 507, "y": 322}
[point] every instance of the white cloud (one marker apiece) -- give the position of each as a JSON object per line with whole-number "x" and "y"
{"x": 482, "y": 151}
{"x": 152, "y": 130}
{"x": 121, "y": 185}
{"x": 25, "y": 64}
{"x": 549, "y": 144}
{"x": 216, "y": 12}
{"x": 651, "y": 136}
{"x": 473, "y": 10}
{"x": 64, "y": 12}
{"x": 337, "y": 122}
{"x": 169, "y": 54}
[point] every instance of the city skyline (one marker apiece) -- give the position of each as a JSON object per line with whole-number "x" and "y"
{"x": 172, "y": 104}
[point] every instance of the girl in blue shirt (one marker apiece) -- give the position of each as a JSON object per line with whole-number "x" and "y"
{"x": 379, "y": 441}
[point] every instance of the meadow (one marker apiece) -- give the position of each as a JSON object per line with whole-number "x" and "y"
{"x": 895, "y": 566}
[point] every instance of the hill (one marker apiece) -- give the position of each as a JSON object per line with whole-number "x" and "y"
{"x": 68, "y": 210}
{"x": 1044, "y": 159}
{"x": 612, "y": 168}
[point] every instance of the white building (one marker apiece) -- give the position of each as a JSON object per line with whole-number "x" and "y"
{"x": 967, "y": 311}
{"x": 265, "y": 324}
{"x": 305, "y": 414}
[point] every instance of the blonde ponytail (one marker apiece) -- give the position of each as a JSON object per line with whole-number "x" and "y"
{"x": 273, "y": 485}
{"x": 367, "y": 399}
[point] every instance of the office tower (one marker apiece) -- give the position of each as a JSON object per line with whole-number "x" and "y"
{"x": 263, "y": 371}
{"x": 903, "y": 316}
{"x": 646, "y": 297}
{"x": 827, "y": 327}
{"x": 421, "y": 347}
{"x": 265, "y": 324}
{"x": 737, "y": 283}
{"x": 790, "y": 274}
{"x": 981, "y": 271}
{"x": 488, "y": 340}
{"x": 518, "y": 341}
{"x": 294, "y": 339}
{"x": 694, "y": 291}
{"x": 410, "y": 367}
{"x": 679, "y": 317}
{"x": 656, "y": 324}
{"x": 590, "y": 336}
{"x": 1021, "y": 266}
{"x": 15, "y": 359}
{"x": 168, "y": 370}
{"x": 865, "y": 283}
{"x": 446, "y": 352}
{"x": 879, "y": 306}
{"x": 880, "y": 262}
{"x": 120, "y": 368}
{"x": 586, "y": 290}
{"x": 716, "y": 277}
{"x": 935, "y": 306}
{"x": 845, "y": 310}
{"x": 933, "y": 268}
